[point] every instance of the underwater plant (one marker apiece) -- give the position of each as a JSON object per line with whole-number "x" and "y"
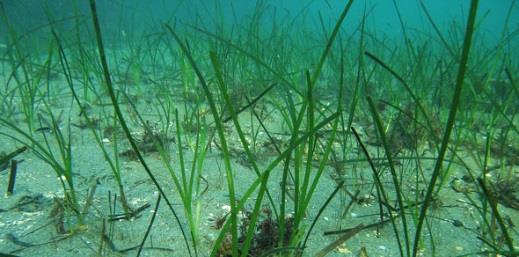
{"x": 289, "y": 134}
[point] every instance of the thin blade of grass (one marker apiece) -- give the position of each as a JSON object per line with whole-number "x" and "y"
{"x": 221, "y": 135}
{"x": 450, "y": 122}
{"x": 396, "y": 182}
{"x": 493, "y": 205}
{"x": 117, "y": 109}
{"x": 381, "y": 192}
{"x": 347, "y": 235}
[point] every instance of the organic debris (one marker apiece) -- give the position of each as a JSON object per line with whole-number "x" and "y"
{"x": 217, "y": 222}
{"x": 6, "y": 158}
{"x": 265, "y": 239}
{"x": 57, "y": 216}
{"x": 507, "y": 192}
{"x": 150, "y": 142}
{"x": 31, "y": 203}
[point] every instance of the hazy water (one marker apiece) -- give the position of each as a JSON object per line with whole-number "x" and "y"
{"x": 136, "y": 15}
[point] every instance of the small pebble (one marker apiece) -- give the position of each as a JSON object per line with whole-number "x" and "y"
{"x": 226, "y": 207}
{"x": 343, "y": 250}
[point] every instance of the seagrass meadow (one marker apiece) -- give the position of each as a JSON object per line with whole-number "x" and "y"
{"x": 259, "y": 128}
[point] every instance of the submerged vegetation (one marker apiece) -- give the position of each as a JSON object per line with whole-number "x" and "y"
{"x": 259, "y": 141}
